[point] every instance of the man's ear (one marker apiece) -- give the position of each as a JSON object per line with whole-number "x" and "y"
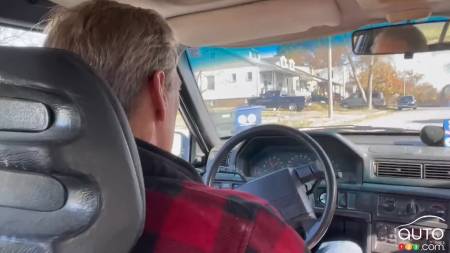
{"x": 157, "y": 88}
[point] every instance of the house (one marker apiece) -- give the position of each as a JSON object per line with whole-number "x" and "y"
{"x": 229, "y": 77}
{"x": 340, "y": 77}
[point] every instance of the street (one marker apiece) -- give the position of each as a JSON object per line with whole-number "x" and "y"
{"x": 410, "y": 119}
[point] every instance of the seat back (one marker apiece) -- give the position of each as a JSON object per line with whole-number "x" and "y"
{"x": 70, "y": 176}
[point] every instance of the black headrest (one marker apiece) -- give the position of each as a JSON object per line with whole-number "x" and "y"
{"x": 70, "y": 176}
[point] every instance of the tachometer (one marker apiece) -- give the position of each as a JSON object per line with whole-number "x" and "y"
{"x": 299, "y": 159}
{"x": 267, "y": 165}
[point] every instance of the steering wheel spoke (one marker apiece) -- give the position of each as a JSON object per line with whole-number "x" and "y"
{"x": 309, "y": 172}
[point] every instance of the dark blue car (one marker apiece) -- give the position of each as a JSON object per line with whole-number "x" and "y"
{"x": 407, "y": 102}
{"x": 274, "y": 99}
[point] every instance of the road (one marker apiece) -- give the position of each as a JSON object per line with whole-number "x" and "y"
{"x": 410, "y": 119}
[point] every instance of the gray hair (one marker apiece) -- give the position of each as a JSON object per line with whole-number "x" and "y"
{"x": 123, "y": 44}
{"x": 411, "y": 35}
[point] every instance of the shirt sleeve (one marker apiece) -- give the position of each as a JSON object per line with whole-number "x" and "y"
{"x": 271, "y": 234}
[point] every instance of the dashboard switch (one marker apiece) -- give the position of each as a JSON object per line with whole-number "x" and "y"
{"x": 438, "y": 210}
{"x": 388, "y": 204}
{"x": 342, "y": 199}
{"x": 412, "y": 208}
{"x": 351, "y": 200}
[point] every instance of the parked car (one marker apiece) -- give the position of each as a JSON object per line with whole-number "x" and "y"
{"x": 274, "y": 99}
{"x": 407, "y": 102}
{"x": 319, "y": 99}
{"x": 356, "y": 101}
{"x": 337, "y": 98}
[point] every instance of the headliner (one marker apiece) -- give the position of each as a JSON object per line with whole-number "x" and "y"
{"x": 257, "y": 22}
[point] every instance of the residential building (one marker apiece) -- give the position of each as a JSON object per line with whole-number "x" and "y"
{"x": 235, "y": 76}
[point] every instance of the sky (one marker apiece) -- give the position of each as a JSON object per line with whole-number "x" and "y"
{"x": 435, "y": 66}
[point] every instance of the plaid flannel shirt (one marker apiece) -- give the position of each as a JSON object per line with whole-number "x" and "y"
{"x": 183, "y": 215}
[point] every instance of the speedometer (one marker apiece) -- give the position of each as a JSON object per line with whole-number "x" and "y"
{"x": 299, "y": 159}
{"x": 267, "y": 165}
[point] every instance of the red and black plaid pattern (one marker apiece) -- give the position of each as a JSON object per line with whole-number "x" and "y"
{"x": 188, "y": 217}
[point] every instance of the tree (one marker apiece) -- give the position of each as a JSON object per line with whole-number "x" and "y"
{"x": 426, "y": 94}
{"x": 410, "y": 80}
{"x": 370, "y": 81}
{"x": 315, "y": 57}
{"x": 357, "y": 79}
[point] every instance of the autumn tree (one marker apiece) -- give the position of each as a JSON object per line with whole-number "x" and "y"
{"x": 314, "y": 55}
{"x": 369, "y": 73}
{"x": 426, "y": 94}
{"x": 410, "y": 80}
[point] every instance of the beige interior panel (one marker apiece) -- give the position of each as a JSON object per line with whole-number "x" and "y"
{"x": 254, "y": 21}
{"x": 260, "y": 22}
{"x": 403, "y": 9}
{"x": 171, "y": 8}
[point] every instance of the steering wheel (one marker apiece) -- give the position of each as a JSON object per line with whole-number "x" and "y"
{"x": 285, "y": 188}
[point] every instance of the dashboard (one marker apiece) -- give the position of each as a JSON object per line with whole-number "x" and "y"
{"x": 384, "y": 181}
{"x": 272, "y": 158}
{"x": 263, "y": 155}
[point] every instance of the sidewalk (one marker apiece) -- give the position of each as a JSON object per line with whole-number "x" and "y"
{"x": 320, "y": 118}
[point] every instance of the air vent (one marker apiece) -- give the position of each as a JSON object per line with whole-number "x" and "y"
{"x": 437, "y": 171}
{"x": 398, "y": 169}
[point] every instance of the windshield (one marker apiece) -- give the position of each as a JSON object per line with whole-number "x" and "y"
{"x": 290, "y": 85}
{"x": 406, "y": 99}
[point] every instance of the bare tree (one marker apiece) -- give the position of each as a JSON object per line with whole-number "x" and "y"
{"x": 370, "y": 81}
{"x": 355, "y": 76}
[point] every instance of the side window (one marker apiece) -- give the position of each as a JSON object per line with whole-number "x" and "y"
{"x": 185, "y": 148}
{"x": 181, "y": 139}
{"x": 20, "y": 38}
{"x": 211, "y": 82}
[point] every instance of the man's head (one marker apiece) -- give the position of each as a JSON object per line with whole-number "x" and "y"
{"x": 402, "y": 39}
{"x": 135, "y": 52}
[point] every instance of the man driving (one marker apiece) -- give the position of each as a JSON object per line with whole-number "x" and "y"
{"x": 134, "y": 51}
{"x": 402, "y": 39}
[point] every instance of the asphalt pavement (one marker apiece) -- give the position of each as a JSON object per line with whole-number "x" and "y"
{"x": 410, "y": 119}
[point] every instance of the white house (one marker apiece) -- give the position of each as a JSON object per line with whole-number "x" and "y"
{"x": 340, "y": 77}
{"x": 236, "y": 80}
{"x": 249, "y": 75}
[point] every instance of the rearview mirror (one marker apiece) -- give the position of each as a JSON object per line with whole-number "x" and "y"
{"x": 402, "y": 39}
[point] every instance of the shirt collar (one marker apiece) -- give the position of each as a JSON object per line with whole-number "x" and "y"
{"x": 160, "y": 163}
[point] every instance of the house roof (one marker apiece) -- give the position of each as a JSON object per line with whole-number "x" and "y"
{"x": 239, "y": 60}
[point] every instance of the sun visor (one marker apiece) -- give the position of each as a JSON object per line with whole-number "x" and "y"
{"x": 395, "y": 11}
{"x": 253, "y": 21}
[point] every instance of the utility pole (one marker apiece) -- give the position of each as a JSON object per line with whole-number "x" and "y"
{"x": 344, "y": 80}
{"x": 372, "y": 61}
{"x": 330, "y": 81}
{"x": 404, "y": 86}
